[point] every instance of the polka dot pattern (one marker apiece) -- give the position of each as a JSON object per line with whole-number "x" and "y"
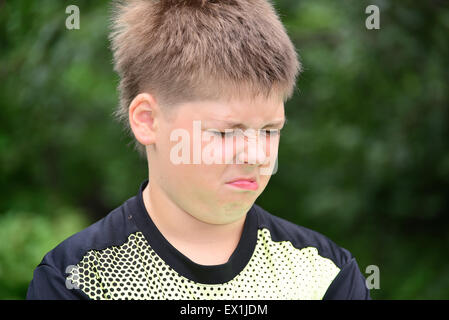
{"x": 276, "y": 270}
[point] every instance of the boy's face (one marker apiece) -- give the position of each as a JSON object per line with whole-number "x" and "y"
{"x": 203, "y": 189}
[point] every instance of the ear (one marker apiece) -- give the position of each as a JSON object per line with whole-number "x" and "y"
{"x": 143, "y": 112}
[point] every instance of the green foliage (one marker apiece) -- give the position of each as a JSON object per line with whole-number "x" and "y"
{"x": 363, "y": 158}
{"x": 24, "y": 240}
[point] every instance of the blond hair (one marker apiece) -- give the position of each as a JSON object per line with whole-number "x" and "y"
{"x": 190, "y": 50}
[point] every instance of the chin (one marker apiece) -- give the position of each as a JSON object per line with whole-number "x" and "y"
{"x": 237, "y": 208}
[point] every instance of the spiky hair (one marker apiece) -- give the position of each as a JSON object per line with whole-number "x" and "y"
{"x": 190, "y": 50}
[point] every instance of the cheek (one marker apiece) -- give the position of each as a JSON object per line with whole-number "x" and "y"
{"x": 217, "y": 150}
{"x": 272, "y": 146}
{"x": 228, "y": 150}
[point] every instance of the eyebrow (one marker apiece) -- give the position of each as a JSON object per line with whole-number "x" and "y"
{"x": 233, "y": 124}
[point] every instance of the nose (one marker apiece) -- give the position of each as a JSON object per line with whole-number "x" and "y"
{"x": 254, "y": 150}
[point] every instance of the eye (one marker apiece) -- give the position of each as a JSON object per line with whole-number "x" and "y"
{"x": 222, "y": 134}
{"x": 270, "y": 132}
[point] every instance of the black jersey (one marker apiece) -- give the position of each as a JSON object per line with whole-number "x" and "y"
{"x": 124, "y": 256}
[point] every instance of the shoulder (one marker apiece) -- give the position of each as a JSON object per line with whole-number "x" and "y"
{"x": 112, "y": 230}
{"x": 51, "y": 276}
{"x": 301, "y": 237}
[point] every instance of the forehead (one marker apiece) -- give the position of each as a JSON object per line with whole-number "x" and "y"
{"x": 250, "y": 113}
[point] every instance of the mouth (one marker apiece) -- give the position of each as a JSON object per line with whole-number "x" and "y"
{"x": 244, "y": 183}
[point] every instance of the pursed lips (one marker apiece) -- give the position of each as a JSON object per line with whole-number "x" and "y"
{"x": 244, "y": 183}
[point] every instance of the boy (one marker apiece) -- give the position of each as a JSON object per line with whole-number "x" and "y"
{"x": 193, "y": 230}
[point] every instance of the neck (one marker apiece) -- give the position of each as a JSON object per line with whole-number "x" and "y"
{"x": 179, "y": 226}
